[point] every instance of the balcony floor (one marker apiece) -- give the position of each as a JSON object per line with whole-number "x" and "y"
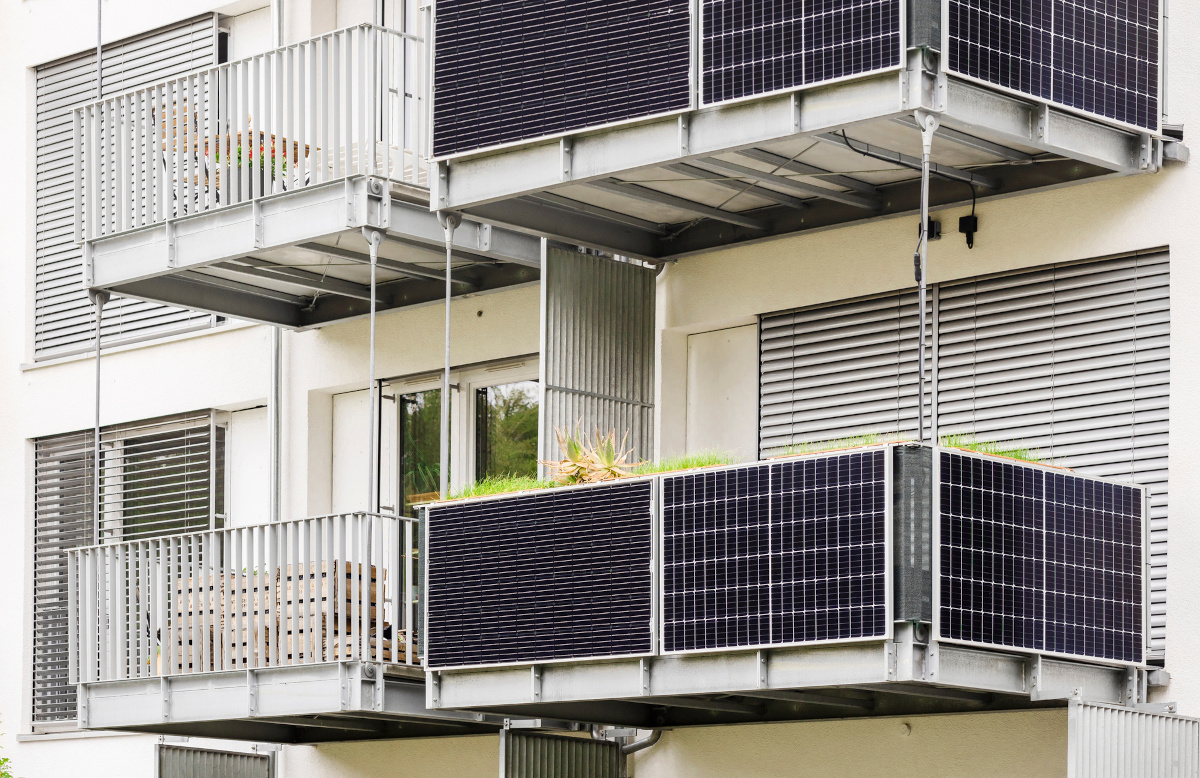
{"x": 315, "y": 703}
{"x": 299, "y": 259}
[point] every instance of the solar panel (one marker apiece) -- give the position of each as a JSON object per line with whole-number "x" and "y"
{"x": 1101, "y": 58}
{"x": 511, "y": 71}
{"x": 754, "y": 48}
{"x": 554, "y": 575}
{"x": 1039, "y": 560}
{"x": 791, "y": 552}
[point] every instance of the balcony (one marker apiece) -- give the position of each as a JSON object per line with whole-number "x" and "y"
{"x": 300, "y": 631}
{"x": 707, "y": 163}
{"x": 246, "y": 189}
{"x": 889, "y": 580}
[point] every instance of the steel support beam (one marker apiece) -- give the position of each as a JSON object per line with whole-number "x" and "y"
{"x": 811, "y": 698}
{"x": 803, "y": 168}
{"x": 572, "y": 206}
{"x": 973, "y": 142}
{"x": 702, "y": 703}
{"x": 906, "y": 160}
{"x": 408, "y": 269}
{"x": 226, "y": 283}
{"x": 647, "y": 195}
{"x": 869, "y": 203}
{"x": 257, "y": 268}
{"x": 576, "y": 227}
{"x": 734, "y": 184}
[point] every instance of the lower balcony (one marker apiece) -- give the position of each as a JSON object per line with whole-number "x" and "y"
{"x": 887, "y": 580}
{"x": 300, "y": 631}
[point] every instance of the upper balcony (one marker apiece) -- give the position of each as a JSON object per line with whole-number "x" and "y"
{"x": 300, "y": 631}
{"x": 700, "y": 125}
{"x": 246, "y": 189}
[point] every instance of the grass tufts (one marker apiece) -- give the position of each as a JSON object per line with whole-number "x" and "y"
{"x": 501, "y": 485}
{"x": 709, "y": 458}
{"x": 854, "y": 441}
{"x": 994, "y": 448}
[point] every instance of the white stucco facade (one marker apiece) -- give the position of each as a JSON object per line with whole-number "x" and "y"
{"x": 228, "y": 368}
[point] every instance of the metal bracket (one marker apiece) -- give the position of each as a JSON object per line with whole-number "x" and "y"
{"x": 434, "y": 679}
{"x": 443, "y": 181}
{"x": 170, "y": 231}
{"x": 1075, "y": 695}
{"x": 1043, "y": 123}
{"x": 379, "y": 686}
{"x": 1033, "y": 674}
{"x": 685, "y": 135}
{"x": 564, "y": 157}
{"x": 351, "y": 220}
{"x": 890, "y": 658}
{"x": 535, "y": 677}
{"x": 1157, "y": 707}
{"x": 378, "y": 203}
{"x": 256, "y": 217}
{"x": 485, "y": 237}
{"x": 796, "y": 114}
{"x": 558, "y": 725}
{"x": 644, "y": 667}
{"x": 929, "y": 123}
{"x": 344, "y": 678}
{"x": 251, "y": 692}
{"x": 761, "y": 656}
{"x": 1158, "y": 677}
{"x": 89, "y": 270}
{"x": 931, "y": 660}
{"x": 81, "y": 705}
{"x": 1131, "y": 687}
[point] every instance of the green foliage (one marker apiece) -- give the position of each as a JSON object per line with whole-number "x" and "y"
{"x": 5, "y": 767}
{"x": 854, "y": 441}
{"x": 710, "y": 458}
{"x": 994, "y": 448}
{"x": 501, "y": 485}
{"x": 422, "y": 443}
{"x": 512, "y": 430}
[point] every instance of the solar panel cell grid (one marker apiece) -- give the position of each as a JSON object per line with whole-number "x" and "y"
{"x": 1098, "y": 57}
{"x": 1039, "y": 560}
{"x": 790, "y": 552}
{"x": 752, "y": 48}
{"x": 549, "y": 576}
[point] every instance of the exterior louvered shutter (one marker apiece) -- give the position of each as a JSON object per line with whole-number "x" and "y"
{"x": 64, "y": 319}
{"x": 179, "y": 762}
{"x": 840, "y": 371}
{"x": 1074, "y": 362}
{"x": 604, "y": 309}
{"x": 159, "y": 477}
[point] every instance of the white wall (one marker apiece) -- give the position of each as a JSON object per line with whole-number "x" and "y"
{"x": 722, "y": 392}
{"x": 249, "y": 33}
{"x": 247, "y": 449}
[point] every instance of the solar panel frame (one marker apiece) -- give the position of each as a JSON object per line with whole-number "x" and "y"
{"x": 1156, "y": 130}
{"x": 889, "y": 577}
{"x": 693, "y": 99}
{"x": 938, "y": 634}
{"x": 698, "y": 67}
{"x": 655, "y": 545}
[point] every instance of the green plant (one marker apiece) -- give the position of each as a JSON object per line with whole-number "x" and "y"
{"x": 995, "y": 448}
{"x": 709, "y": 458}
{"x": 5, "y": 766}
{"x": 854, "y": 441}
{"x": 590, "y": 460}
{"x": 500, "y": 485}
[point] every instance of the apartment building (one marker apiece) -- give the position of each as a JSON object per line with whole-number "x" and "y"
{"x": 342, "y": 258}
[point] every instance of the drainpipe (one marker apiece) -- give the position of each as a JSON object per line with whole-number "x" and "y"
{"x": 929, "y": 124}
{"x": 275, "y": 424}
{"x": 449, "y": 221}
{"x": 643, "y": 744}
{"x": 374, "y": 238}
{"x": 98, "y": 298}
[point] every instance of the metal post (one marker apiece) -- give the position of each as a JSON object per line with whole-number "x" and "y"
{"x": 277, "y": 24}
{"x": 99, "y": 49}
{"x": 275, "y": 422}
{"x": 449, "y": 221}
{"x": 374, "y": 238}
{"x": 98, "y": 298}
{"x": 929, "y": 124}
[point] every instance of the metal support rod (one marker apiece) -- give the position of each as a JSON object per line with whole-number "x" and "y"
{"x": 277, "y": 23}
{"x": 275, "y": 423}
{"x": 374, "y": 238}
{"x": 929, "y": 124}
{"x": 449, "y": 221}
{"x": 99, "y": 49}
{"x": 98, "y": 299}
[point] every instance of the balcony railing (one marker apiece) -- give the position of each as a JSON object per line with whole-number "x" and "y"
{"x": 328, "y": 589}
{"x": 343, "y": 104}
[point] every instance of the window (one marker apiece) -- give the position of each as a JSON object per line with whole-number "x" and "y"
{"x": 506, "y": 430}
{"x": 158, "y": 477}
{"x": 420, "y": 429}
{"x": 1072, "y": 361}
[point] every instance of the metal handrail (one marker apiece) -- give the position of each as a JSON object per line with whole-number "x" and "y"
{"x": 325, "y": 589}
{"x": 347, "y": 103}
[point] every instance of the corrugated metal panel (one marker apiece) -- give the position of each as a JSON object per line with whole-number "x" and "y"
{"x": 64, "y": 320}
{"x": 175, "y": 762}
{"x": 597, "y": 349}
{"x": 840, "y": 370}
{"x": 161, "y": 476}
{"x": 1073, "y": 361}
{"x": 527, "y": 755}
{"x": 1110, "y": 742}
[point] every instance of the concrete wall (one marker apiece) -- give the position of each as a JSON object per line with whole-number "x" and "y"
{"x": 228, "y": 369}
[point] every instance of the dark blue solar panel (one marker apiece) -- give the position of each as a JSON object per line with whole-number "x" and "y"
{"x": 554, "y": 575}
{"x": 1099, "y": 57}
{"x": 1039, "y": 560}
{"x": 752, "y": 47}
{"x": 512, "y": 70}
{"x": 1093, "y": 568}
{"x": 789, "y": 552}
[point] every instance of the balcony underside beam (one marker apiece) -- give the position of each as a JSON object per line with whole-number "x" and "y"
{"x": 735, "y": 184}
{"x": 906, "y": 160}
{"x": 972, "y": 142}
{"x": 805, "y": 169}
{"x": 870, "y": 203}
{"x": 405, "y": 268}
{"x": 648, "y": 195}
{"x": 256, "y": 268}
